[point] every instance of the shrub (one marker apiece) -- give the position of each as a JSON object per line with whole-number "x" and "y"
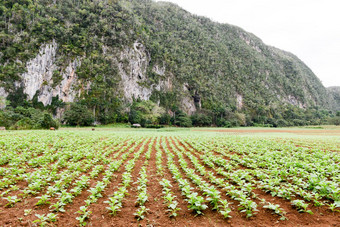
{"x": 298, "y": 122}
{"x": 281, "y": 123}
{"x": 145, "y": 112}
{"x": 154, "y": 126}
{"x": 334, "y": 120}
{"x": 223, "y": 123}
{"x": 47, "y": 122}
{"x": 23, "y": 124}
{"x": 183, "y": 121}
{"x": 22, "y": 118}
{"x": 165, "y": 119}
{"x": 200, "y": 119}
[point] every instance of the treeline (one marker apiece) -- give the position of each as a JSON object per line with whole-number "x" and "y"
{"x": 149, "y": 114}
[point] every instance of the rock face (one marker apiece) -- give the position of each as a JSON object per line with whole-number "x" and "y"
{"x": 132, "y": 65}
{"x": 3, "y": 95}
{"x": 39, "y": 77}
{"x": 239, "y": 100}
{"x": 187, "y": 102}
{"x": 133, "y": 73}
{"x": 39, "y": 70}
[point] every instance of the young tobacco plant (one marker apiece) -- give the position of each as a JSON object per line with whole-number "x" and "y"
{"x": 224, "y": 209}
{"x": 43, "y": 200}
{"x": 12, "y": 200}
{"x": 141, "y": 212}
{"x": 114, "y": 205}
{"x": 84, "y": 215}
{"x": 196, "y": 203}
{"x": 277, "y": 210}
{"x": 301, "y": 206}
{"x": 43, "y": 219}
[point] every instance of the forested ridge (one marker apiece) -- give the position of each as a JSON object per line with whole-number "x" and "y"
{"x": 229, "y": 76}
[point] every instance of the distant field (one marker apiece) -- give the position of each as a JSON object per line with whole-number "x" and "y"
{"x": 170, "y": 177}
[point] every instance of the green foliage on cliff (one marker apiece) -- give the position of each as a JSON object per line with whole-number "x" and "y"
{"x": 215, "y": 62}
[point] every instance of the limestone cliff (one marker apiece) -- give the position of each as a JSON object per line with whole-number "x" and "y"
{"x": 38, "y": 78}
{"x": 109, "y": 53}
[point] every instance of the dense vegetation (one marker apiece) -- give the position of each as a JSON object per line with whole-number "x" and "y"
{"x": 26, "y": 118}
{"x": 335, "y": 94}
{"x": 215, "y": 62}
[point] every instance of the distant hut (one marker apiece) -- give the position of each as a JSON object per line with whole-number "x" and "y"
{"x": 136, "y": 126}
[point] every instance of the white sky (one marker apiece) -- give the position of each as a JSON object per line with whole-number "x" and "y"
{"x": 309, "y": 29}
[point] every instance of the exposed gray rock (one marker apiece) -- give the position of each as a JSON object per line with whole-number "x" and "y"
{"x": 159, "y": 70}
{"x": 133, "y": 73}
{"x": 239, "y": 99}
{"x": 3, "y": 93}
{"x": 132, "y": 65}
{"x": 67, "y": 89}
{"x": 132, "y": 69}
{"x": 3, "y": 96}
{"x": 187, "y": 103}
{"x": 39, "y": 77}
{"x": 294, "y": 101}
{"x": 40, "y": 70}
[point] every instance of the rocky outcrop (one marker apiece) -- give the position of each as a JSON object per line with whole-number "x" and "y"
{"x": 40, "y": 70}
{"x": 3, "y": 95}
{"x": 135, "y": 83}
{"x": 187, "y": 103}
{"x": 39, "y": 77}
{"x": 66, "y": 90}
{"x": 293, "y": 101}
{"x": 132, "y": 69}
{"x": 239, "y": 101}
{"x": 132, "y": 62}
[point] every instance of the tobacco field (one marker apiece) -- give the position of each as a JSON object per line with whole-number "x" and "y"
{"x": 162, "y": 178}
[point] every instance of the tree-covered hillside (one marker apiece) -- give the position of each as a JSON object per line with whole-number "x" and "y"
{"x": 109, "y": 55}
{"x": 335, "y": 95}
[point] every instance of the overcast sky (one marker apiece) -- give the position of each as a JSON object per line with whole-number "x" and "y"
{"x": 309, "y": 29}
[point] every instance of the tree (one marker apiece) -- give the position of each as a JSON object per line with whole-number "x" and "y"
{"x": 200, "y": 119}
{"x": 145, "y": 112}
{"x": 165, "y": 119}
{"x": 336, "y": 119}
{"x": 78, "y": 115}
{"x": 48, "y": 122}
{"x": 181, "y": 119}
